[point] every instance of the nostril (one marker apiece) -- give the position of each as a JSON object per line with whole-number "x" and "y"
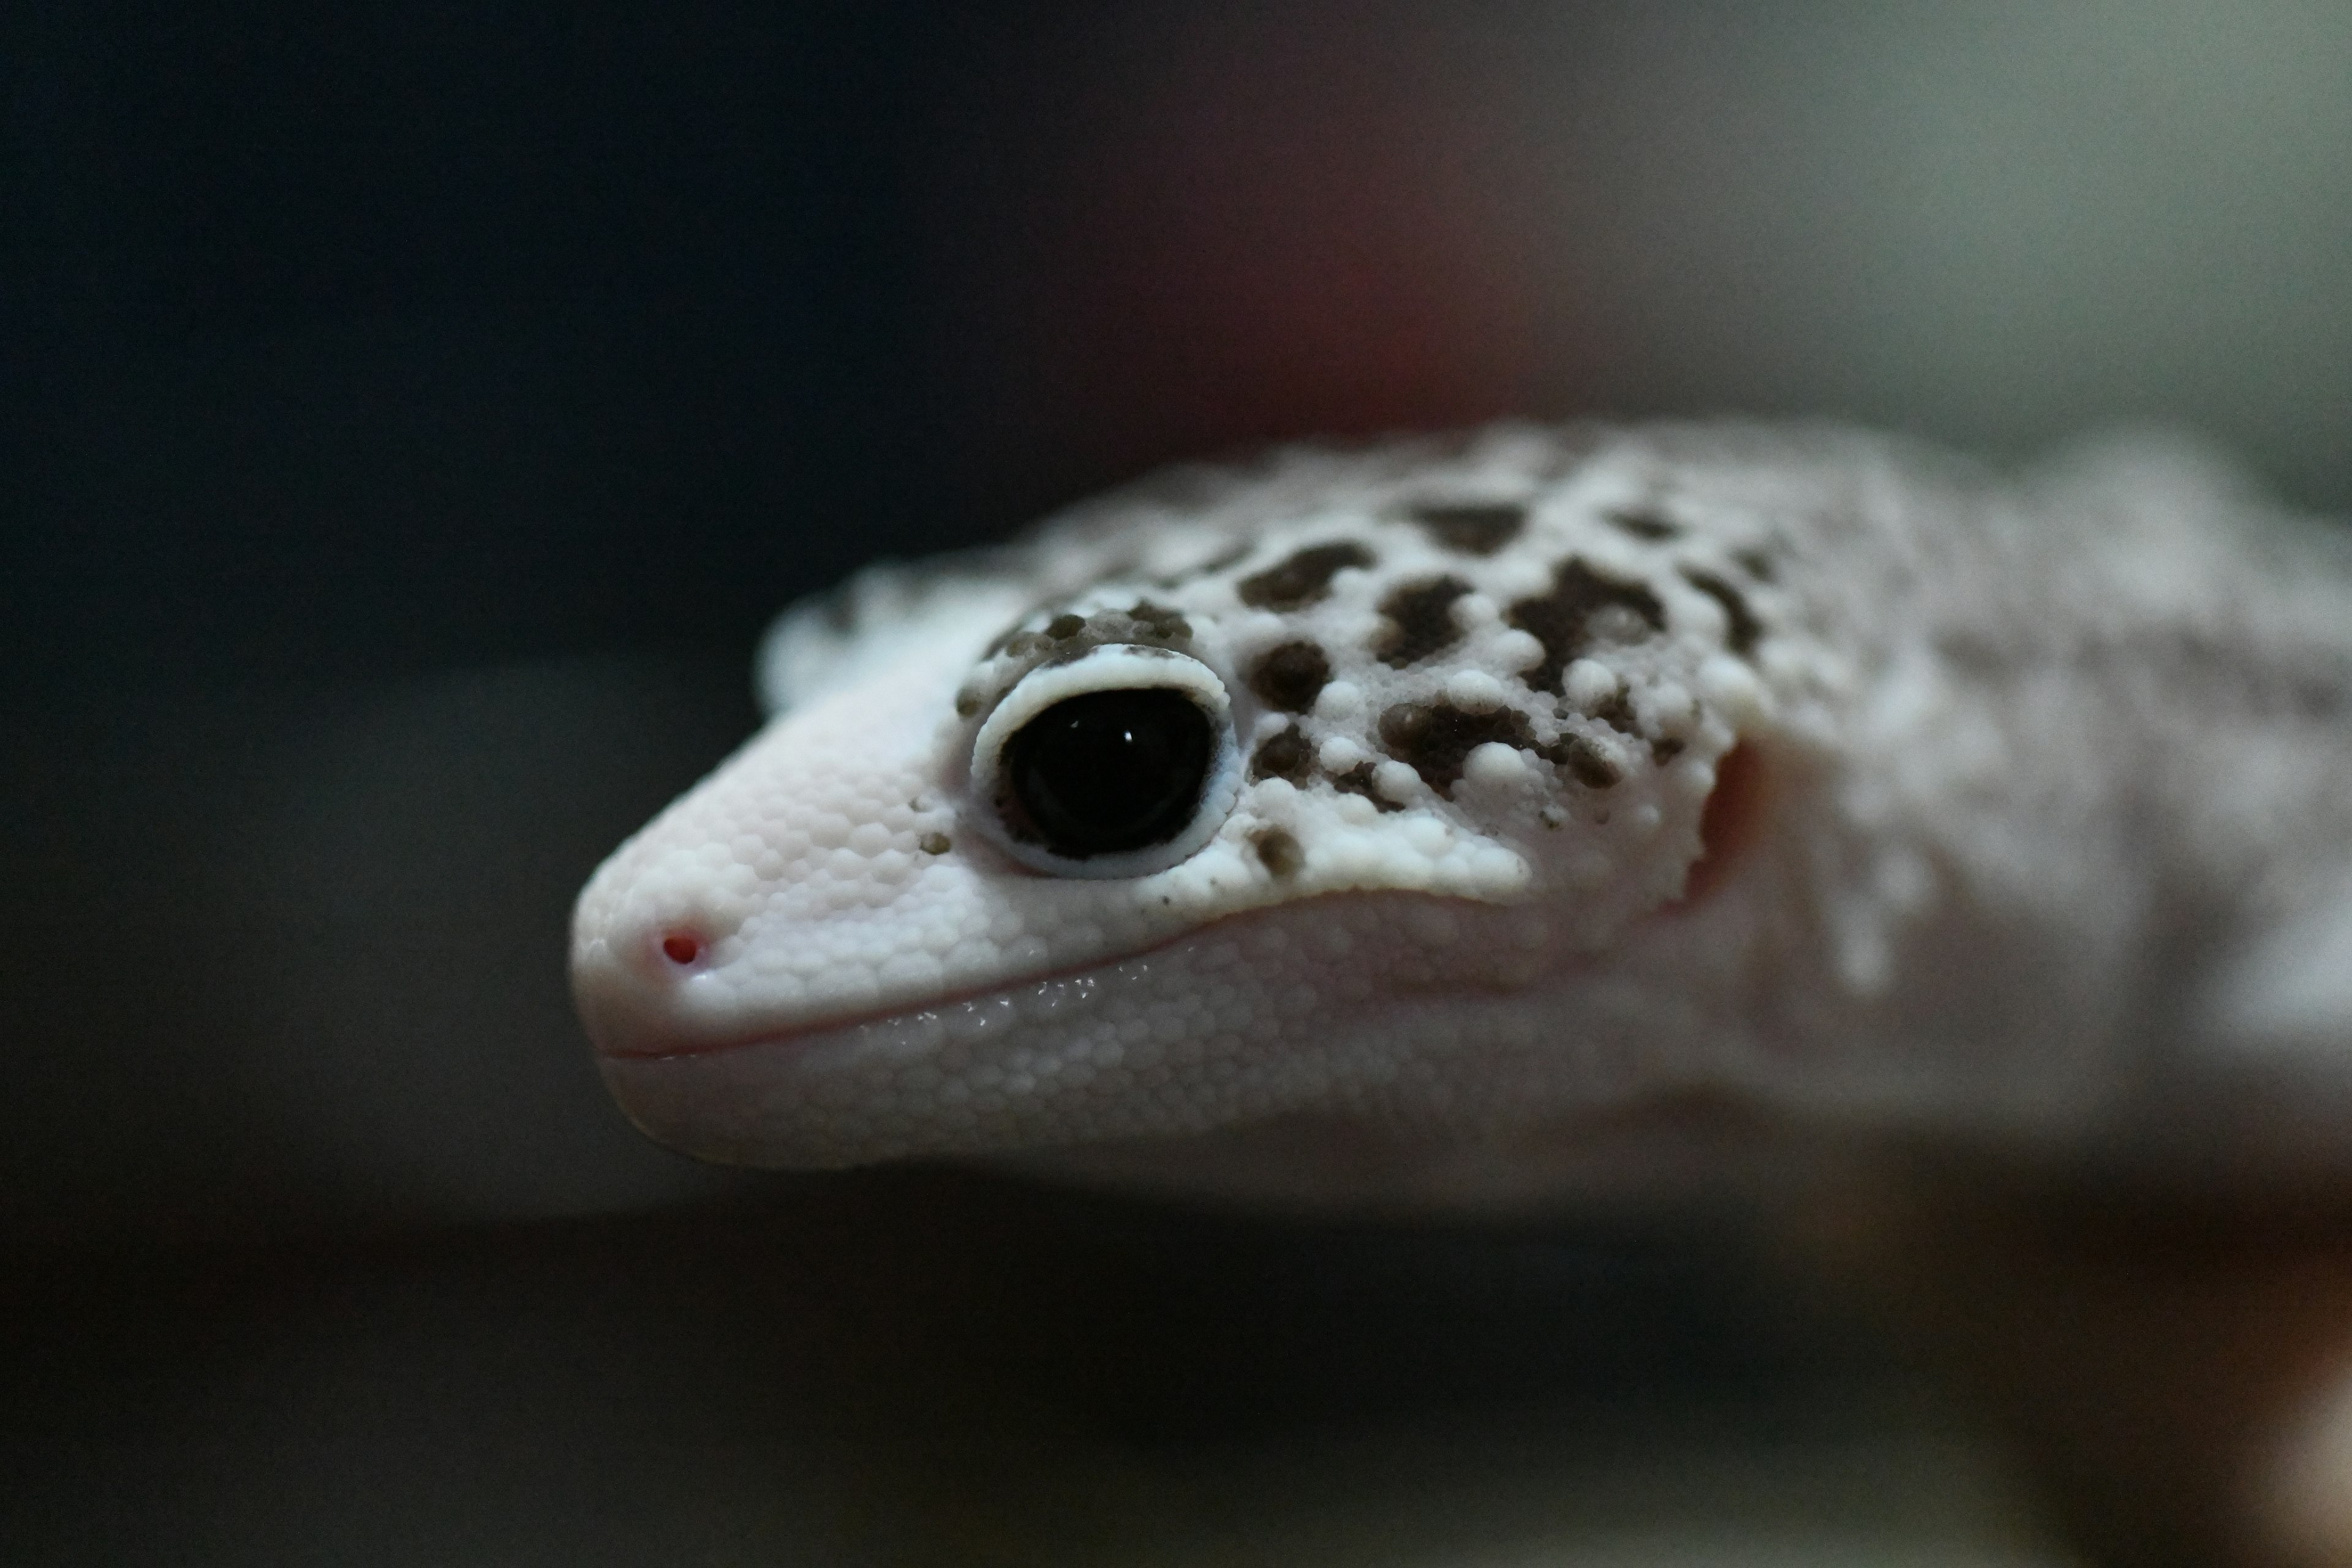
{"x": 682, "y": 947}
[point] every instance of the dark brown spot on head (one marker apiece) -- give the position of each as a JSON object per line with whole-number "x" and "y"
{"x": 1665, "y": 750}
{"x": 1284, "y": 755}
{"x": 1290, "y": 675}
{"x": 1064, "y": 627}
{"x": 1560, "y": 619}
{"x": 1618, "y": 714}
{"x": 1278, "y": 851}
{"x": 1359, "y": 780}
{"x": 1745, "y": 628}
{"x": 1158, "y": 621}
{"x": 1302, "y": 580}
{"x": 1644, "y": 523}
{"x": 1583, "y": 762}
{"x": 1074, "y": 650}
{"x": 1437, "y": 738}
{"x": 1421, "y": 620}
{"x": 1473, "y": 527}
{"x": 934, "y": 843}
{"x": 1434, "y": 738}
{"x": 967, "y": 704}
{"x": 1026, "y": 645}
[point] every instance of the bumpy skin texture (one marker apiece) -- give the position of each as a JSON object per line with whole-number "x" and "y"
{"x": 1571, "y": 779}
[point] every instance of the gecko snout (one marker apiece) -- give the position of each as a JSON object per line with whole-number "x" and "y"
{"x": 651, "y": 954}
{"x": 638, "y": 984}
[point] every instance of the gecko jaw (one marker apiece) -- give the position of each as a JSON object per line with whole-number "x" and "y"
{"x": 623, "y": 1028}
{"x": 1225, "y": 1022}
{"x": 600, "y": 1021}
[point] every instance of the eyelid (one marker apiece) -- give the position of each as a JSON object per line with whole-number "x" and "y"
{"x": 1108, "y": 667}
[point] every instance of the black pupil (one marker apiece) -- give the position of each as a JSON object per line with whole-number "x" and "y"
{"x": 1111, "y": 770}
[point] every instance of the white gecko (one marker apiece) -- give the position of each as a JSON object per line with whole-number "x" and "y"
{"x": 1457, "y": 818}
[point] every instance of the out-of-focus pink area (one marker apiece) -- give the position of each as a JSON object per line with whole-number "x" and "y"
{"x": 1160, "y": 229}
{"x": 1264, "y": 226}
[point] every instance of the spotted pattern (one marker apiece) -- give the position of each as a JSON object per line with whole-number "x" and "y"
{"x": 1617, "y": 712}
{"x": 1278, "y": 851}
{"x": 1302, "y": 580}
{"x": 1290, "y": 675}
{"x": 1644, "y": 523}
{"x": 1362, "y": 780}
{"x": 1436, "y": 740}
{"x": 1064, "y": 636}
{"x": 1472, "y": 528}
{"x": 1524, "y": 660}
{"x": 1158, "y": 624}
{"x": 1419, "y": 616}
{"x": 1745, "y": 628}
{"x": 1563, "y": 620}
{"x": 1283, "y": 756}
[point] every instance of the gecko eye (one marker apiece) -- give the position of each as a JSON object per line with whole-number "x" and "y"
{"x": 1117, "y": 763}
{"x": 1111, "y": 770}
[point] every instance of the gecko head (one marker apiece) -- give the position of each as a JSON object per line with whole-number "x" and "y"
{"x": 1311, "y": 799}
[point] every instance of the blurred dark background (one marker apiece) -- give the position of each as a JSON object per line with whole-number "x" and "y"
{"x": 408, "y": 417}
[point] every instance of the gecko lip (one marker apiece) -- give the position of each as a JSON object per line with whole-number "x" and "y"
{"x": 804, "y": 1033}
{"x": 1277, "y": 1004}
{"x": 623, "y": 1030}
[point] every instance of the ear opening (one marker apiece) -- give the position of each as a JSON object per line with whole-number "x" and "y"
{"x": 1730, "y": 822}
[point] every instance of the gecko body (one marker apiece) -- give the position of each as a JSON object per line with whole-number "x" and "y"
{"x": 1460, "y": 817}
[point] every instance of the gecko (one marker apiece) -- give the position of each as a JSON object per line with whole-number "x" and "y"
{"x": 1530, "y": 810}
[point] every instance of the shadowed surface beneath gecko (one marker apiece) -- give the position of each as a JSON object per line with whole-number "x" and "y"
{"x": 923, "y": 1367}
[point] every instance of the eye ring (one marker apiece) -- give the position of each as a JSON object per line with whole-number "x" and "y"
{"x": 1072, "y": 780}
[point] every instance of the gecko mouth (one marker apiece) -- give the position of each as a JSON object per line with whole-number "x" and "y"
{"x": 1216, "y": 1023}
{"x": 1230, "y": 1023}
{"x": 616, "y": 1040}
{"x": 623, "y": 1028}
